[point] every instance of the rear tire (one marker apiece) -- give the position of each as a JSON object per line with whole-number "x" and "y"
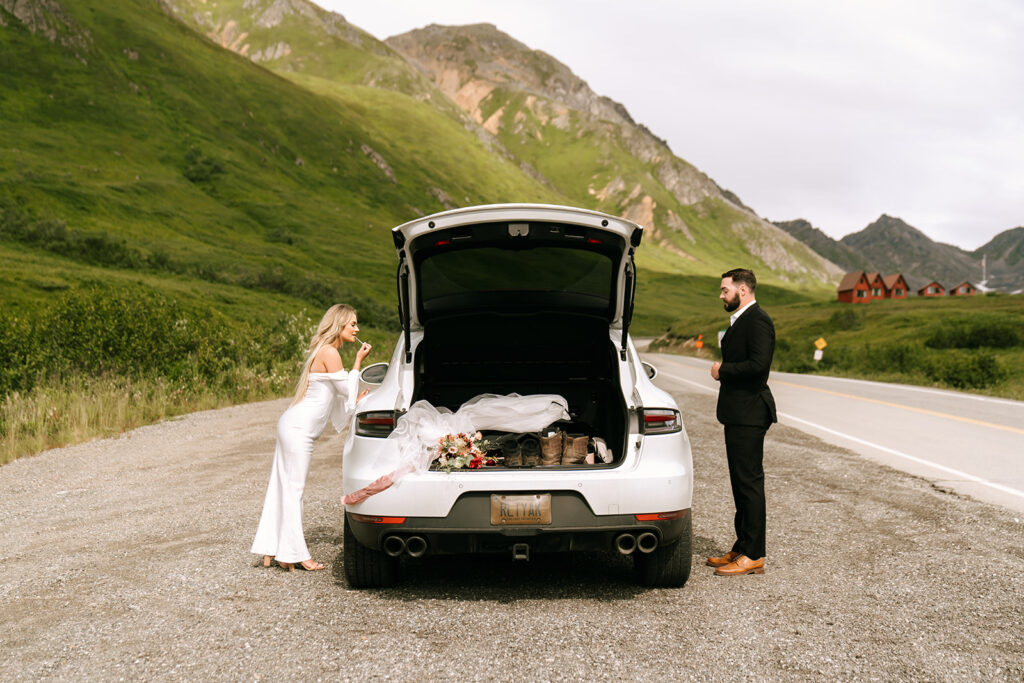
{"x": 366, "y": 567}
{"x": 668, "y": 566}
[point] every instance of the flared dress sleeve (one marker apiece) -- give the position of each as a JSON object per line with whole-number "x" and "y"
{"x": 346, "y": 389}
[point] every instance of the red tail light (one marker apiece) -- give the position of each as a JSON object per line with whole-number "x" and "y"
{"x": 375, "y": 423}
{"x": 374, "y": 519}
{"x": 660, "y": 421}
{"x": 661, "y": 516}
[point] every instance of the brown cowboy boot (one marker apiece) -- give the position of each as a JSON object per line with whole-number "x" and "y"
{"x": 574, "y": 449}
{"x": 551, "y": 449}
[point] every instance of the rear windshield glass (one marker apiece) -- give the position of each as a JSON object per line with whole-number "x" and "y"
{"x": 540, "y": 269}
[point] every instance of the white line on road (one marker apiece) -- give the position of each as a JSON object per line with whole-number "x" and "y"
{"x": 885, "y": 449}
{"x": 923, "y": 390}
{"x": 688, "y": 381}
{"x": 900, "y": 406}
{"x": 920, "y": 461}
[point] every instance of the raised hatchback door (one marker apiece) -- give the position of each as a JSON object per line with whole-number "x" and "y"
{"x": 520, "y": 257}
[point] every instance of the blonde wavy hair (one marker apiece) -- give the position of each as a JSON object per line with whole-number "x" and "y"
{"x": 327, "y": 333}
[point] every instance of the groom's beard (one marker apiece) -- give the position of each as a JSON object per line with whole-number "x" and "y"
{"x": 732, "y": 304}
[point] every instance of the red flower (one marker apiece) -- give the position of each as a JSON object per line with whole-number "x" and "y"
{"x": 475, "y": 463}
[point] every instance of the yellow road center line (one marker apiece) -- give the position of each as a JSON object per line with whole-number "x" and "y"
{"x": 901, "y": 406}
{"x": 923, "y": 411}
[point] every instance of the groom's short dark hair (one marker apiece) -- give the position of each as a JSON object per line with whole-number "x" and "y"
{"x": 742, "y": 276}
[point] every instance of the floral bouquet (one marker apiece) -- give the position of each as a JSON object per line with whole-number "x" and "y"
{"x": 455, "y": 451}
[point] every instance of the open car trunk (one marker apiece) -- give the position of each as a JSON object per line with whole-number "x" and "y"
{"x": 562, "y": 353}
{"x": 521, "y": 299}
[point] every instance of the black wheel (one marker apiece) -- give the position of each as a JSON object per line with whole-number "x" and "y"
{"x": 366, "y": 567}
{"x": 668, "y": 566}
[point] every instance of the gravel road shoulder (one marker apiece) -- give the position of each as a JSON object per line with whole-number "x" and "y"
{"x": 127, "y": 558}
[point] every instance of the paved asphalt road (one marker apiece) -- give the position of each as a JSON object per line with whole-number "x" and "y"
{"x": 127, "y": 559}
{"x": 968, "y": 443}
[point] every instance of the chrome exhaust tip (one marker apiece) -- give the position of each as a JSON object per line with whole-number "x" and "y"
{"x": 394, "y": 546}
{"x": 416, "y": 546}
{"x": 626, "y": 543}
{"x": 647, "y": 542}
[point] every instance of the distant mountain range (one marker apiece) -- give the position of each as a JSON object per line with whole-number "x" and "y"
{"x": 890, "y": 245}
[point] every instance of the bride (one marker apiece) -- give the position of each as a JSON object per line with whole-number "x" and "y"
{"x": 325, "y": 392}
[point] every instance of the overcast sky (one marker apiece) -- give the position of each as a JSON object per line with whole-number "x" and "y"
{"x": 834, "y": 111}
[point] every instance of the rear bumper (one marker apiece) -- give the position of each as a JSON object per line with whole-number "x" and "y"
{"x": 468, "y": 529}
{"x": 655, "y": 476}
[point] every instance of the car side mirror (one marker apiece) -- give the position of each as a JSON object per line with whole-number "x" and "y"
{"x": 374, "y": 374}
{"x": 651, "y": 371}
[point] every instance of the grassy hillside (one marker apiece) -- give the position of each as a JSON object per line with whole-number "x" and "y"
{"x": 146, "y": 162}
{"x": 972, "y": 343}
{"x": 200, "y": 163}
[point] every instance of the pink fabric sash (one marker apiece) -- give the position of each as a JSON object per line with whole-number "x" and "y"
{"x": 375, "y": 487}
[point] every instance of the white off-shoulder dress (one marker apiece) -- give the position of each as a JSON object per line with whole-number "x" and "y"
{"x": 330, "y": 396}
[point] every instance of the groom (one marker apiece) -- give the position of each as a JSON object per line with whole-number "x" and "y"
{"x": 747, "y": 408}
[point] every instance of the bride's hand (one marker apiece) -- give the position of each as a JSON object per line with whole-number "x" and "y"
{"x": 362, "y": 394}
{"x": 363, "y": 351}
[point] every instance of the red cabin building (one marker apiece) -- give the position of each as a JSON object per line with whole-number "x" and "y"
{"x": 963, "y": 289}
{"x": 877, "y": 285}
{"x": 895, "y": 286}
{"x": 854, "y": 288}
{"x": 933, "y": 288}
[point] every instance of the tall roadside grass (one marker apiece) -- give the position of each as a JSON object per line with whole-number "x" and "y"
{"x": 100, "y": 361}
{"x": 82, "y": 408}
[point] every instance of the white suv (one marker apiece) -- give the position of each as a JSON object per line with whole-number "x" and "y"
{"x": 530, "y": 299}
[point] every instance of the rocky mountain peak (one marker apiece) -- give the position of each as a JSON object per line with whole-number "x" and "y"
{"x": 467, "y": 62}
{"x": 49, "y": 19}
{"x": 892, "y": 226}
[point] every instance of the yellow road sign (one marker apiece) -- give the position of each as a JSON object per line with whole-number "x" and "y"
{"x": 820, "y": 343}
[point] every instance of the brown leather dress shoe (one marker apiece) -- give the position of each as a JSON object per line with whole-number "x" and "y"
{"x": 723, "y": 560}
{"x": 741, "y": 565}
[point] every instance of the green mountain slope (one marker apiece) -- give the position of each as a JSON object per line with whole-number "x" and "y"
{"x": 173, "y": 157}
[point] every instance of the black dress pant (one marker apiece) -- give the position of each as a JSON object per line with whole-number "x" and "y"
{"x": 744, "y": 448}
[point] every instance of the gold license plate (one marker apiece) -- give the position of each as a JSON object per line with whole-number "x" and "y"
{"x": 530, "y": 509}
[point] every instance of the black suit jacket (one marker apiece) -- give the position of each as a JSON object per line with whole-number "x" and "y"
{"x": 747, "y": 349}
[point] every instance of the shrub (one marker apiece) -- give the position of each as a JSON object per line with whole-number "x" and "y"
{"x": 845, "y": 319}
{"x": 200, "y": 168}
{"x": 974, "y": 333}
{"x": 892, "y": 357}
{"x": 964, "y": 369}
{"x": 137, "y": 332}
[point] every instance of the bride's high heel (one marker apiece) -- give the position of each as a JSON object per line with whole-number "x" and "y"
{"x": 308, "y": 565}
